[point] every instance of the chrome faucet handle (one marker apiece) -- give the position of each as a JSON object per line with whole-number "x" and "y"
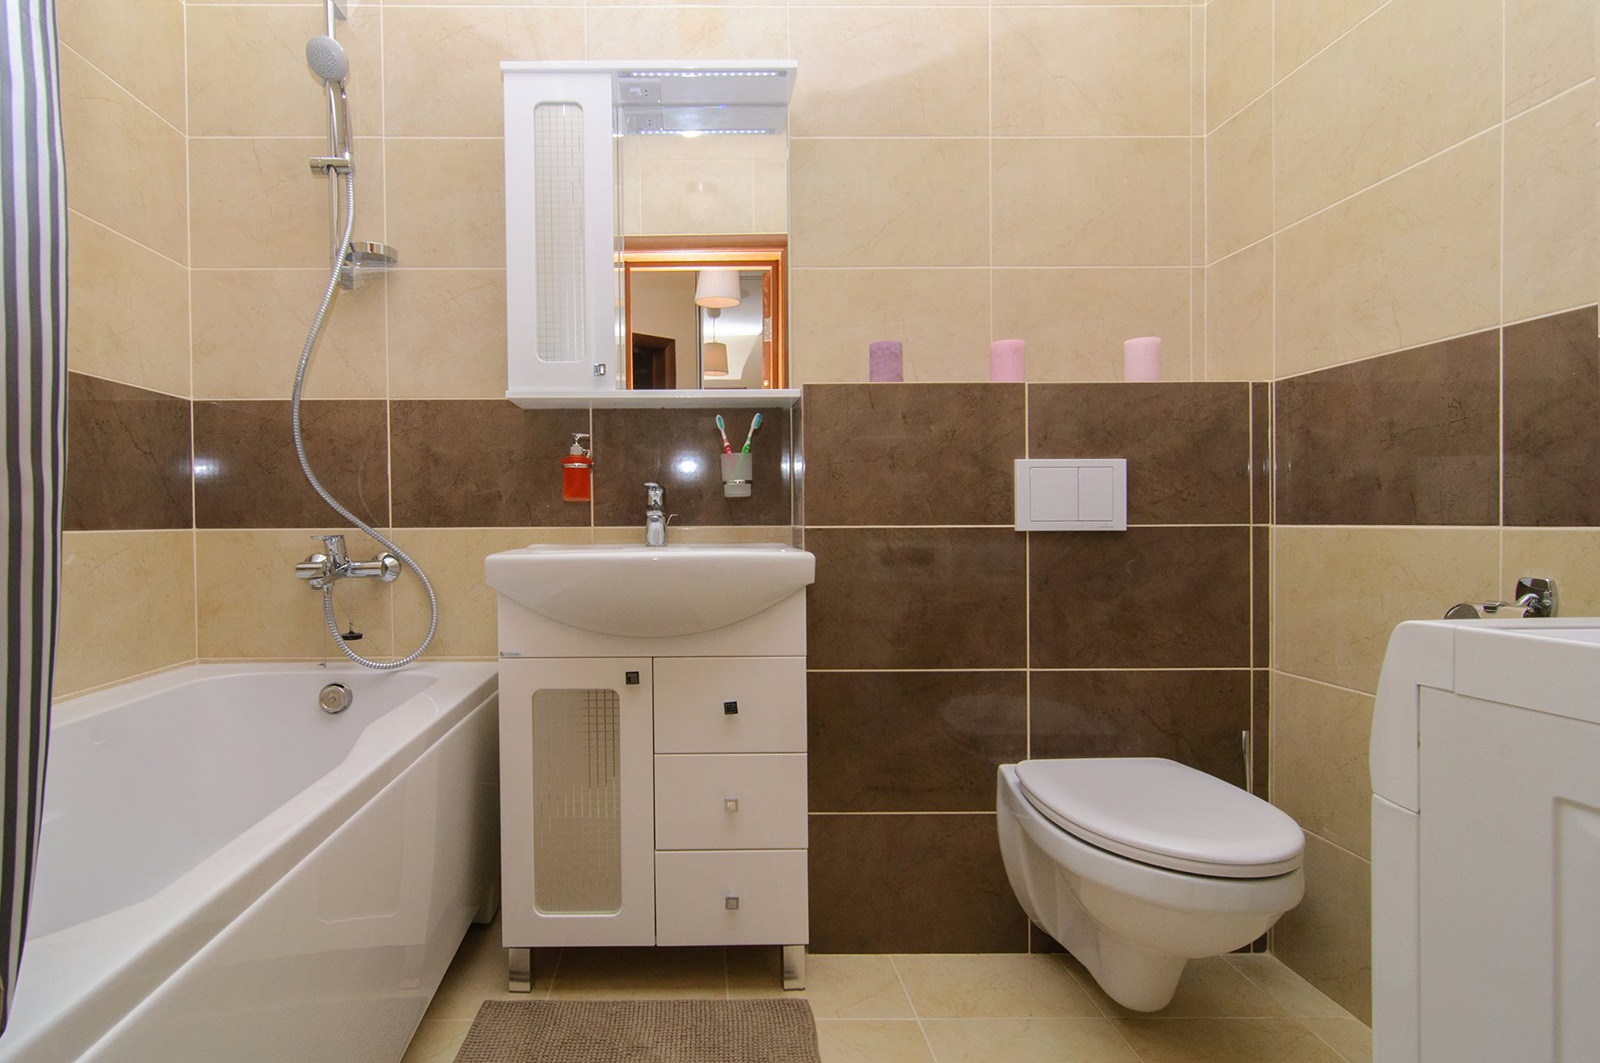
{"x": 337, "y": 554}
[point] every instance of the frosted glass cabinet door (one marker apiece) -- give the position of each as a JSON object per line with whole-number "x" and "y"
{"x": 575, "y": 802}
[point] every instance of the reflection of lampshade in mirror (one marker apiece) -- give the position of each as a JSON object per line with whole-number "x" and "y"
{"x": 714, "y": 358}
{"x": 717, "y": 288}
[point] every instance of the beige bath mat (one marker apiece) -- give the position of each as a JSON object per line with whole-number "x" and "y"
{"x": 641, "y": 1031}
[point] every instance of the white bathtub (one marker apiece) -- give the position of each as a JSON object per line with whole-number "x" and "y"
{"x": 228, "y": 872}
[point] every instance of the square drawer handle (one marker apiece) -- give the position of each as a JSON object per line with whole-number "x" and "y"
{"x": 731, "y": 903}
{"x": 730, "y": 708}
{"x": 730, "y": 804}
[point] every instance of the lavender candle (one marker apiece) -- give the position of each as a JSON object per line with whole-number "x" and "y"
{"x": 884, "y": 364}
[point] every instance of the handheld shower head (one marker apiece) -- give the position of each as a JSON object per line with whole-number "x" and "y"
{"x": 326, "y": 58}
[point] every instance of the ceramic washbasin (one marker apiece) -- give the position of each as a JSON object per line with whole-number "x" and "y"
{"x": 651, "y": 591}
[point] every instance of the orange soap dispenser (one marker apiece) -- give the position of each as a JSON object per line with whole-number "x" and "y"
{"x": 577, "y": 470}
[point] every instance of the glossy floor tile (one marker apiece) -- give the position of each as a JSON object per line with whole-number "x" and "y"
{"x": 991, "y": 1007}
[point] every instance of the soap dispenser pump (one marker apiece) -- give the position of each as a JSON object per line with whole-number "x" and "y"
{"x": 577, "y": 470}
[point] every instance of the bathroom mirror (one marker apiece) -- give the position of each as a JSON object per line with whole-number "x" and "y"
{"x": 683, "y": 163}
{"x": 672, "y": 342}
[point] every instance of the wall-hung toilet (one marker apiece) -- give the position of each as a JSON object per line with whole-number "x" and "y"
{"x": 1138, "y": 865}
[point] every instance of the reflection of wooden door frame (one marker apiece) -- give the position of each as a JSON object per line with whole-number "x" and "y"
{"x": 758, "y": 252}
{"x": 663, "y": 352}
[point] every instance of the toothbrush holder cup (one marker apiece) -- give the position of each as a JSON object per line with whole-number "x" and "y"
{"x": 737, "y": 474}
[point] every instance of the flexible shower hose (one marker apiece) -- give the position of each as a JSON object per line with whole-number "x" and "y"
{"x": 316, "y": 484}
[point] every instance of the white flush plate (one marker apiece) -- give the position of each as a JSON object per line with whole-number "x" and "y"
{"x": 1072, "y": 494}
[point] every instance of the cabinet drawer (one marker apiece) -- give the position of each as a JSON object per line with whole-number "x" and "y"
{"x": 768, "y": 791}
{"x": 730, "y": 704}
{"x": 754, "y": 897}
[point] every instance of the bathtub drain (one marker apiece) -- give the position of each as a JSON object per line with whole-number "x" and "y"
{"x": 335, "y": 697}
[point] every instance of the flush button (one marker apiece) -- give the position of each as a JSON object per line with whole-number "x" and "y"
{"x": 730, "y": 708}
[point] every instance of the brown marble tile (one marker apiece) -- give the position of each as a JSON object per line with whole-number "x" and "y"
{"x": 1261, "y": 596}
{"x": 1553, "y": 421}
{"x": 1261, "y": 453}
{"x": 127, "y": 458}
{"x": 247, "y": 475}
{"x": 917, "y": 598}
{"x": 679, "y": 449}
{"x": 1144, "y": 598}
{"x": 1261, "y": 733}
{"x": 482, "y": 463}
{"x": 1194, "y": 718}
{"x": 1187, "y": 445}
{"x": 912, "y": 741}
{"x": 912, "y": 453}
{"x": 899, "y": 883}
{"x": 1408, "y": 438}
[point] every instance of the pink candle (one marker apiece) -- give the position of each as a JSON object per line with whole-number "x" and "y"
{"x": 884, "y": 364}
{"x": 1141, "y": 358}
{"x": 1006, "y": 360}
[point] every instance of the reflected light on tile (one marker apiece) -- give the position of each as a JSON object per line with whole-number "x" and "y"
{"x": 689, "y": 466}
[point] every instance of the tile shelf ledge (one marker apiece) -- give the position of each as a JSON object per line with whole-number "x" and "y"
{"x": 686, "y": 398}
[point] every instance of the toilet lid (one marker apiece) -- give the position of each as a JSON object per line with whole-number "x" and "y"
{"x": 1163, "y": 813}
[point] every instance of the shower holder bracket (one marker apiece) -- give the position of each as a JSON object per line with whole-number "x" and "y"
{"x": 361, "y": 258}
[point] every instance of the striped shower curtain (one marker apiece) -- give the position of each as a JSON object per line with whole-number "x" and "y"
{"x": 33, "y": 257}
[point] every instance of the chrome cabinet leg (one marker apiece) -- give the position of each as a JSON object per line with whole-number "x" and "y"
{"x": 794, "y": 966}
{"x": 520, "y": 964}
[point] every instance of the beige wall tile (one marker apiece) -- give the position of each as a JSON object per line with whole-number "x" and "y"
{"x": 135, "y": 43}
{"x": 1338, "y": 593}
{"x": 1238, "y": 56}
{"x": 911, "y": 202}
{"x": 1550, "y": 47}
{"x": 1414, "y": 259}
{"x": 448, "y": 202}
{"x": 1570, "y": 556}
{"x": 447, "y": 334}
{"x": 1239, "y": 316}
{"x": 1301, "y": 29}
{"x": 253, "y": 203}
{"x": 453, "y": 560}
{"x": 1319, "y": 760}
{"x": 1091, "y": 202}
{"x": 1550, "y": 261}
{"x": 1239, "y": 181}
{"x": 250, "y": 327}
{"x": 465, "y": 46}
{"x": 1327, "y": 938}
{"x": 125, "y": 166}
{"x": 250, "y": 604}
{"x": 248, "y": 75}
{"x": 1075, "y": 320}
{"x": 127, "y": 606}
{"x": 686, "y": 32}
{"x": 1090, "y": 71}
{"x": 1417, "y": 77}
{"x": 940, "y": 317}
{"x": 128, "y": 318}
{"x": 890, "y": 71}
{"x": 699, "y": 196}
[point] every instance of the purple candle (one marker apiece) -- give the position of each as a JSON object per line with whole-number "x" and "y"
{"x": 884, "y": 364}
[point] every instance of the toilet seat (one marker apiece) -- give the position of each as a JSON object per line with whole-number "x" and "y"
{"x": 1163, "y": 813}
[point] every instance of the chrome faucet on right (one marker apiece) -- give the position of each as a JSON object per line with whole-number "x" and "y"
{"x": 655, "y": 522}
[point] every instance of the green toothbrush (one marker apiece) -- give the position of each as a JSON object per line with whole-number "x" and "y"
{"x": 753, "y": 426}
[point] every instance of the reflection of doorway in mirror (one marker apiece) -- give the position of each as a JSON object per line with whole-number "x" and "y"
{"x": 660, "y": 287}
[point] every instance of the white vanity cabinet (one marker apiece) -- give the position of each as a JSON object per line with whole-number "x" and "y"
{"x": 653, "y": 789}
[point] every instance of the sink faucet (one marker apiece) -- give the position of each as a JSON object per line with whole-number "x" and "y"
{"x": 655, "y": 523}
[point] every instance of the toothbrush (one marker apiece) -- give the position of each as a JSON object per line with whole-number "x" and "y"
{"x": 727, "y": 447}
{"x": 753, "y": 426}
